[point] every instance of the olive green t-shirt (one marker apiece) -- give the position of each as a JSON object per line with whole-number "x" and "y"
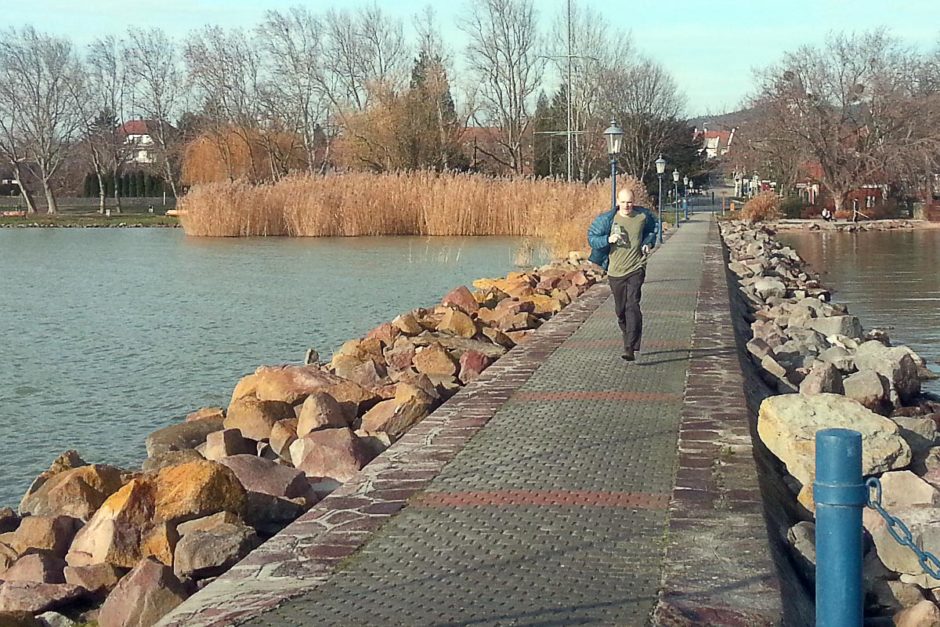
{"x": 626, "y": 255}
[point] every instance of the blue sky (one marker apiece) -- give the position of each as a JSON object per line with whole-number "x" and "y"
{"x": 710, "y": 48}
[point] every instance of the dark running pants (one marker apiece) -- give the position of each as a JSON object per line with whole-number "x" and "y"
{"x": 627, "y": 293}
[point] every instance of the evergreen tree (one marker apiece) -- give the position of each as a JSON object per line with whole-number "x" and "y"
{"x": 140, "y": 179}
{"x": 434, "y": 126}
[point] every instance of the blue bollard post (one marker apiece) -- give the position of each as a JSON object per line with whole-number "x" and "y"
{"x": 840, "y": 495}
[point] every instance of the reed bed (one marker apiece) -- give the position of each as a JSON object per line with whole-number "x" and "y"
{"x": 406, "y": 203}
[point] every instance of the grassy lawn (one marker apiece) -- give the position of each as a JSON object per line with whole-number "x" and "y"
{"x": 75, "y": 219}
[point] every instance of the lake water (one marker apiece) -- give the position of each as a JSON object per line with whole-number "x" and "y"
{"x": 889, "y": 279}
{"x": 109, "y": 334}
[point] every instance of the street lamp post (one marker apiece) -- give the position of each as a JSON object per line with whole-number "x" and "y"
{"x": 614, "y": 135}
{"x": 755, "y": 184}
{"x": 675, "y": 181}
{"x": 685, "y": 190}
{"x": 660, "y": 170}
{"x": 689, "y": 207}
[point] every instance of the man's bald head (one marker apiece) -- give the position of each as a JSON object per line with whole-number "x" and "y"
{"x": 625, "y": 199}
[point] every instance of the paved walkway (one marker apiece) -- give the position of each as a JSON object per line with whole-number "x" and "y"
{"x": 555, "y": 512}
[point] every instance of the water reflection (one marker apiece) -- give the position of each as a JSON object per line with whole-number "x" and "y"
{"x": 889, "y": 279}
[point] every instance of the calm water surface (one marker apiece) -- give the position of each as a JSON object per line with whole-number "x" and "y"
{"x": 889, "y": 279}
{"x": 107, "y": 335}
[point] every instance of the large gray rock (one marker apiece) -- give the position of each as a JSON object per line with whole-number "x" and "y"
{"x": 902, "y": 489}
{"x": 923, "y": 521}
{"x": 920, "y": 433}
{"x": 836, "y": 325}
{"x": 210, "y": 552}
{"x": 181, "y": 436}
{"x": 838, "y": 357}
{"x": 144, "y": 596}
{"x": 787, "y": 425}
{"x": 867, "y": 388}
{"x": 767, "y": 287}
{"x": 895, "y": 364}
{"x": 923, "y": 614}
{"x": 824, "y": 378}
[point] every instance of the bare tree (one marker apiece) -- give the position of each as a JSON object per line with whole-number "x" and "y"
{"x": 39, "y": 74}
{"x": 224, "y": 66}
{"x": 646, "y": 102}
{"x": 153, "y": 66}
{"x": 102, "y": 107}
{"x": 852, "y": 106}
{"x": 502, "y": 56}
{"x": 295, "y": 91}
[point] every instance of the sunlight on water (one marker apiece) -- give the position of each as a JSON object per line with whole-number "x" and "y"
{"x": 107, "y": 335}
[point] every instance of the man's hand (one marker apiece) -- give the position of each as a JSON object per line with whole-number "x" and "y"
{"x": 613, "y": 239}
{"x": 646, "y": 249}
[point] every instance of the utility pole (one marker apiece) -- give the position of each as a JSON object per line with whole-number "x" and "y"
{"x": 568, "y": 93}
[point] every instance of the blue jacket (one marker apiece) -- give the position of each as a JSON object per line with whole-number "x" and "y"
{"x": 599, "y": 232}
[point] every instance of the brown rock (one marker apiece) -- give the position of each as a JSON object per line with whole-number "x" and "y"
{"x": 394, "y": 416}
{"x": 408, "y": 324}
{"x": 292, "y": 384}
{"x": 159, "y": 541}
{"x": 269, "y": 514}
{"x": 144, "y": 596}
{"x": 34, "y": 597}
{"x": 227, "y": 442}
{"x": 51, "y": 534}
{"x": 38, "y": 567}
{"x": 435, "y": 360}
{"x": 519, "y": 336}
{"x": 255, "y": 418}
{"x": 377, "y": 442}
{"x": 261, "y": 475}
{"x": 400, "y": 356}
{"x": 544, "y": 305}
{"x": 446, "y": 386}
{"x": 283, "y": 434}
{"x": 513, "y": 306}
{"x": 9, "y": 520}
{"x": 66, "y": 461}
{"x": 462, "y": 299}
{"x": 207, "y": 522}
{"x": 517, "y": 322}
{"x": 182, "y": 435}
{"x": 76, "y": 493}
{"x": 98, "y": 579}
{"x": 366, "y": 372}
{"x": 320, "y": 411}
{"x": 335, "y": 454}
{"x": 472, "y": 364}
{"x": 170, "y": 458}
{"x": 215, "y": 413}
{"x": 7, "y": 556}
{"x": 210, "y": 552}
{"x": 823, "y": 378}
{"x": 456, "y": 322}
{"x": 498, "y": 337}
{"x": 384, "y": 333}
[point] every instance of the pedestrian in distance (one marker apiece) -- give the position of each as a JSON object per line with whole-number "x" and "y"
{"x": 621, "y": 240}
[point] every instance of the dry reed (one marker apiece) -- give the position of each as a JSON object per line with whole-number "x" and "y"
{"x": 765, "y": 207}
{"x": 406, "y": 203}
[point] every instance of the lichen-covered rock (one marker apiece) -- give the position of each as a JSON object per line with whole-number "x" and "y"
{"x": 76, "y": 493}
{"x": 787, "y": 425}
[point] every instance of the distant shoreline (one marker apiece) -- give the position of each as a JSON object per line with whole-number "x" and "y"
{"x": 847, "y": 226}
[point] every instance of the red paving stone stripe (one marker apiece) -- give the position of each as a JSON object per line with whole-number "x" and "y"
{"x": 616, "y": 342}
{"x": 588, "y": 395}
{"x": 549, "y": 498}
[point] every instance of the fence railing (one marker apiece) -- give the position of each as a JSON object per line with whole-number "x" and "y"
{"x": 135, "y": 204}
{"x": 840, "y": 494}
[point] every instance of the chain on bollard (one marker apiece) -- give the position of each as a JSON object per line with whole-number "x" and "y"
{"x": 900, "y": 532}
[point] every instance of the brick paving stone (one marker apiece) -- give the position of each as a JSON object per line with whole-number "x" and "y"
{"x": 555, "y": 511}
